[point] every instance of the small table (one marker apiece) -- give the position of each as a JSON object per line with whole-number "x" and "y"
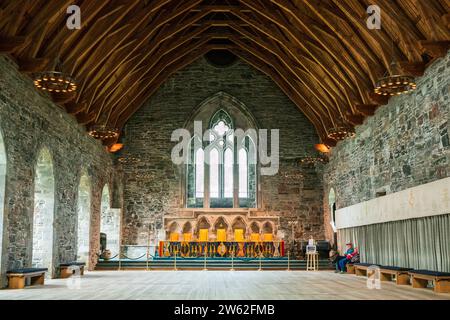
{"x": 312, "y": 261}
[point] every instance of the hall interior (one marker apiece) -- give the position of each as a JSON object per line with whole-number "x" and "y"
{"x": 194, "y": 138}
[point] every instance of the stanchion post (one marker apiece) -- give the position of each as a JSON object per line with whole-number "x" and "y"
{"x": 204, "y": 262}
{"x": 147, "y": 257}
{"x": 120, "y": 256}
{"x": 289, "y": 262}
{"x": 232, "y": 262}
{"x": 175, "y": 262}
{"x": 260, "y": 267}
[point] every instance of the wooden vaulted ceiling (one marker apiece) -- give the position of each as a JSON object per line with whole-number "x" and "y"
{"x": 319, "y": 52}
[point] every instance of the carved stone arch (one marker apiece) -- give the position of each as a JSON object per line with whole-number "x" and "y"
{"x": 268, "y": 227}
{"x": 43, "y": 245}
{"x": 84, "y": 216}
{"x": 3, "y": 171}
{"x": 240, "y": 114}
{"x": 221, "y": 223}
{"x": 174, "y": 227}
{"x": 255, "y": 227}
{"x": 203, "y": 223}
{"x": 239, "y": 223}
{"x": 187, "y": 227}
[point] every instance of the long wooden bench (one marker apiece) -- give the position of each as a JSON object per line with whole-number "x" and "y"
{"x": 17, "y": 277}
{"x": 350, "y": 268}
{"x": 401, "y": 274}
{"x": 67, "y": 271}
{"x": 420, "y": 278}
{"x": 361, "y": 268}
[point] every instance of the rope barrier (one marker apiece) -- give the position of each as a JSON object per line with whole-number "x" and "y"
{"x": 126, "y": 257}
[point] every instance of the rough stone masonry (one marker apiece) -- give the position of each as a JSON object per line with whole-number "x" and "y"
{"x": 153, "y": 187}
{"x": 29, "y": 122}
{"x": 405, "y": 144}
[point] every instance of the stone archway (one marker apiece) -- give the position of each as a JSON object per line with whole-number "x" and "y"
{"x": 110, "y": 223}
{"x": 332, "y": 208}
{"x": 254, "y": 227}
{"x": 84, "y": 218}
{"x": 2, "y": 190}
{"x": 267, "y": 227}
{"x": 187, "y": 228}
{"x": 43, "y": 216}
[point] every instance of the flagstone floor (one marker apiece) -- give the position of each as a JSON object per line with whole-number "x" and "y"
{"x": 217, "y": 285}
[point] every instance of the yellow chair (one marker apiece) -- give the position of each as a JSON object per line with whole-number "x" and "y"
{"x": 203, "y": 235}
{"x": 239, "y": 235}
{"x": 254, "y": 237}
{"x": 268, "y": 237}
{"x": 187, "y": 237}
{"x": 221, "y": 235}
{"x": 174, "y": 236}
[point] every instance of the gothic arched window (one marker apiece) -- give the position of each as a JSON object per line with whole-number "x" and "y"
{"x": 220, "y": 174}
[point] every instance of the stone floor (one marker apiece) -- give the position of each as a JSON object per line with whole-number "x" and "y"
{"x": 218, "y": 285}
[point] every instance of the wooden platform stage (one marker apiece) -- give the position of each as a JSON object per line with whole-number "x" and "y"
{"x": 282, "y": 263}
{"x": 222, "y": 285}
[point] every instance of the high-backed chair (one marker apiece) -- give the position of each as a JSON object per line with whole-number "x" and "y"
{"x": 268, "y": 237}
{"x": 203, "y": 235}
{"x": 187, "y": 236}
{"x": 239, "y": 235}
{"x": 255, "y": 237}
{"x": 174, "y": 236}
{"x": 221, "y": 235}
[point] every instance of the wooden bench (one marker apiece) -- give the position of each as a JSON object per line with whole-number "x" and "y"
{"x": 401, "y": 274}
{"x": 420, "y": 278}
{"x": 66, "y": 271}
{"x": 17, "y": 277}
{"x": 361, "y": 268}
{"x": 350, "y": 268}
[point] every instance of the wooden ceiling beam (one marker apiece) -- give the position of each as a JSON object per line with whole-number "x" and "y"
{"x": 12, "y": 17}
{"x": 115, "y": 94}
{"x": 352, "y": 40}
{"x": 415, "y": 69}
{"x": 33, "y": 65}
{"x": 318, "y": 51}
{"x": 75, "y": 108}
{"x": 110, "y": 69}
{"x": 285, "y": 86}
{"x": 356, "y": 14}
{"x": 291, "y": 75}
{"x": 311, "y": 85}
{"x": 437, "y": 49}
{"x": 110, "y": 44}
{"x": 84, "y": 118}
{"x": 367, "y": 109}
{"x": 99, "y": 30}
{"x": 433, "y": 20}
{"x": 65, "y": 38}
{"x": 11, "y": 44}
{"x": 328, "y": 31}
{"x": 47, "y": 14}
{"x": 355, "y": 119}
{"x": 295, "y": 51}
{"x": 152, "y": 71}
{"x": 122, "y": 116}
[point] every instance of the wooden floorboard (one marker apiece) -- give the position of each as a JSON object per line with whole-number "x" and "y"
{"x": 218, "y": 285}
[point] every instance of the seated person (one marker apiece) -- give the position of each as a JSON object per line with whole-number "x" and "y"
{"x": 346, "y": 258}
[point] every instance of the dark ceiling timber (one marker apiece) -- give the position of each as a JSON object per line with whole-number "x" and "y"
{"x": 319, "y": 52}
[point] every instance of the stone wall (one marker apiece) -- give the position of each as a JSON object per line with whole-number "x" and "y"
{"x": 405, "y": 144}
{"x": 152, "y": 188}
{"x": 29, "y": 121}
